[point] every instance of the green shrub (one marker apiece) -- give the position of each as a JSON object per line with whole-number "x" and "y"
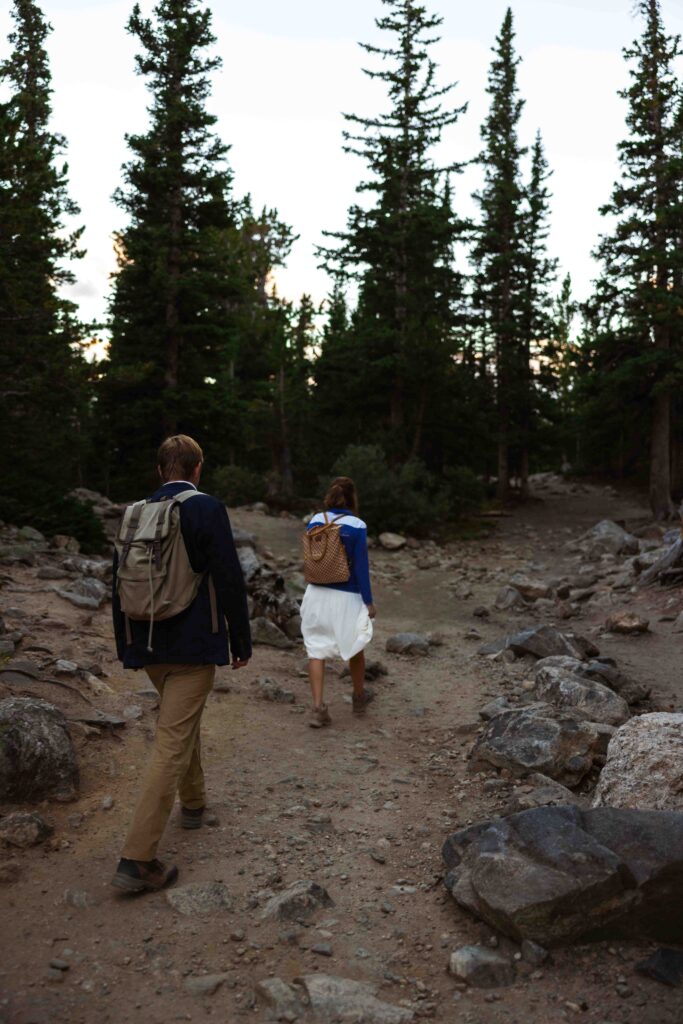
{"x": 237, "y": 486}
{"x": 57, "y": 513}
{"x": 409, "y": 498}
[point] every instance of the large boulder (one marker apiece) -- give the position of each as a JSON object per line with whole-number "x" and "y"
{"x": 265, "y": 632}
{"x": 605, "y": 672}
{"x": 556, "y": 875}
{"x": 37, "y": 758}
{"x": 544, "y": 642}
{"x": 539, "y": 738}
{"x": 593, "y": 700}
{"x": 250, "y": 562}
{"x": 325, "y": 998}
{"x": 607, "y": 537}
{"x": 644, "y": 765}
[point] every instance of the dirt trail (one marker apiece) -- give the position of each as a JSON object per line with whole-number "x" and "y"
{"x": 361, "y": 808}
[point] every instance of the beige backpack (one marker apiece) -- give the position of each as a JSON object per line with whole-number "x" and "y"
{"x": 325, "y": 558}
{"x": 155, "y": 579}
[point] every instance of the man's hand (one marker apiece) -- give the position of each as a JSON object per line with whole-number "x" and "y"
{"x": 372, "y": 611}
{"x": 238, "y": 663}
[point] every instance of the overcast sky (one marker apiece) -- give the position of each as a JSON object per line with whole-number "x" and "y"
{"x": 291, "y": 68}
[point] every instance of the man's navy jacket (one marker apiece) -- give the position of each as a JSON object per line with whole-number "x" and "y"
{"x": 188, "y": 638}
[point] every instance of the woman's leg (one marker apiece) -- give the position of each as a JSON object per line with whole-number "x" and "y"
{"x": 357, "y": 669}
{"x": 316, "y": 675}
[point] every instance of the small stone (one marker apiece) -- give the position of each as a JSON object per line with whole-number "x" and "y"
{"x": 322, "y": 948}
{"x": 378, "y": 856}
{"x": 408, "y": 643}
{"x": 206, "y": 984}
{"x": 627, "y": 623}
{"x": 299, "y": 900}
{"x": 533, "y": 954}
{"x": 132, "y": 713}
{"x": 66, "y": 668}
{"x": 392, "y": 541}
{"x": 481, "y": 612}
{"x": 59, "y": 965}
{"x": 665, "y": 965}
{"x": 24, "y": 829}
{"x": 200, "y": 898}
{"x": 481, "y": 967}
{"x": 212, "y": 820}
{"x": 107, "y": 802}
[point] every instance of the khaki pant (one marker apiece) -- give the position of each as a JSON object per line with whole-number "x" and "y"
{"x": 176, "y": 760}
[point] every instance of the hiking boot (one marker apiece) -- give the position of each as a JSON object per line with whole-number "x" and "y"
{"x": 191, "y": 817}
{"x": 138, "y": 875}
{"x": 361, "y": 701}
{"x": 320, "y": 717}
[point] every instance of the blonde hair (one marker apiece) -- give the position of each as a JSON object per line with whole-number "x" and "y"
{"x": 178, "y": 457}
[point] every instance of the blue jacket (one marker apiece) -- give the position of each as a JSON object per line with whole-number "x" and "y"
{"x": 354, "y": 535}
{"x": 187, "y": 638}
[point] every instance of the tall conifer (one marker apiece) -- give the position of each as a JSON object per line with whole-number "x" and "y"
{"x": 399, "y": 246}
{"x": 41, "y": 375}
{"x": 173, "y": 293}
{"x": 498, "y": 255}
{"x": 635, "y": 312}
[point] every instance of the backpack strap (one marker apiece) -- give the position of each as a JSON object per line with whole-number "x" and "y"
{"x": 133, "y": 524}
{"x": 214, "y": 605}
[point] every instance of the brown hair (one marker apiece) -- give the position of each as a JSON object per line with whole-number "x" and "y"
{"x": 342, "y": 494}
{"x": 178, "y": 457}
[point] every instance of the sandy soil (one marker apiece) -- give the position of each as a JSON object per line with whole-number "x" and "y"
{"x": 361, "y": 808}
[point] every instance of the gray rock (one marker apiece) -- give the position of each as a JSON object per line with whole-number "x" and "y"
{"x": 265, "y": 632}
{"x": 66, "y": 668}
{"x": 297, "y": 901}
{"x": 87, "y": 592}
{"x": 408, "y": 643}
{"x": 544, "y": 642}
{"x": 269, "y": 689}
{"x": 632, "y": 691}
{"x": 494, "y": 707}
{"x": 249, "y": 561}
{"x": 37, "y": 758}
{"x": 293, "y": 627}
{"x": 644, "y": 766}
{"x": 30, "y": 534}
{"x": 242, "y": 538}
{"x": 205, "y": 984}
{"x": 322, "y": 949}
{"x": 24, "y": 829}
{"x": 530, "y": 589}
{"x": 283, "y": 999}
{"x": 557, "y": 875}
{"x": 200, "y": 898}
{"x": 594, "y": 701}
{"x": 341, "y": 999}
{"x": 481, "y": 967}
{"x": 50, "y": 572}
{"x": 546, "y": 792}
{"x": 539, "y": 738}
{"x": 509, "y": 599}
{"x": 608, "y": 537}
{"x": 392, "y": 541}
{"x": 532, "y": 953}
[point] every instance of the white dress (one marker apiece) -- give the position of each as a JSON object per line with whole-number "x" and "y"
{"x": 334, "y": 623}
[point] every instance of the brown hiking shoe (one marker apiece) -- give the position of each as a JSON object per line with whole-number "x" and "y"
{"x": 320, "y": 717}
{"x": 140, "y": 875}
{"x": 360, "y": 702}
{"x": 191, "y": 817}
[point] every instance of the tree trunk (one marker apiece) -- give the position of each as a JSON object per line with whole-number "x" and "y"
{"x": 660, "y": 458}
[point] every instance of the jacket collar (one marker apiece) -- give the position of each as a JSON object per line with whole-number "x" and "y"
{"x": 172, "y": 488}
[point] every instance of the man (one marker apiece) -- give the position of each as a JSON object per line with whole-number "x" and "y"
{"x": 180, "y": 658}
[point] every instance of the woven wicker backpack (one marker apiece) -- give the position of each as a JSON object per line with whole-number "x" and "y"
{"x": 325, "y": 558}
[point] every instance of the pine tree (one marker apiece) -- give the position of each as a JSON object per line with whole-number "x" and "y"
{"x": 399, "y": 246}
{"x": 173, "y": 293}
{"x": 43, "y": 380}
{"x": 499, "y": 254}
{"x": 635, "y": 312}
{"x": 539, "y": 277}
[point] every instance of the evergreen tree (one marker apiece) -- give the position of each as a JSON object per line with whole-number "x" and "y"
{"x": 539, "y": 277}
{"x": 499, "y": 255}
{"x": 43, "y": 387}
{"x": 635, "y": 312}
{"x": 400, "y": 245}
{"x": 175, "y": 291}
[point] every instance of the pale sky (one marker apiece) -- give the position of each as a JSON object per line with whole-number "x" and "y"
{"x": 291, "y": 68}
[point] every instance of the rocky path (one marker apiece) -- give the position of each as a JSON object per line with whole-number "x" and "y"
{"x": 360, "y": 810}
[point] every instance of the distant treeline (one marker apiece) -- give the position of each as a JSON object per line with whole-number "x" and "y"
{"x": 448, "y": 357}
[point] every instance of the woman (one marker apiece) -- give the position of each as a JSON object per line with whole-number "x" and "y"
{"x": 335, "y": 618}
